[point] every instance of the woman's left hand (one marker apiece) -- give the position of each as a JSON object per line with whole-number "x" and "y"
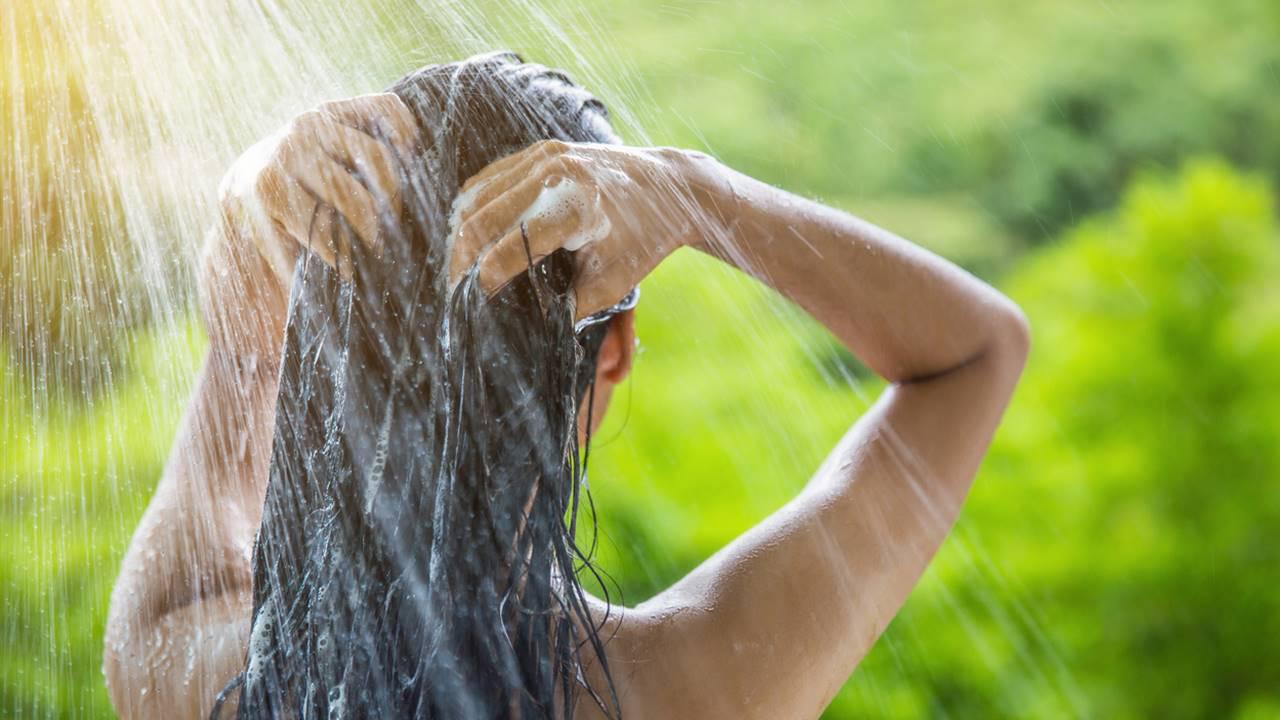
{"x": 619, "y": 210}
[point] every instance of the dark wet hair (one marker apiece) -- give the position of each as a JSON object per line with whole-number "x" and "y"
{"x": 417, "y": 553}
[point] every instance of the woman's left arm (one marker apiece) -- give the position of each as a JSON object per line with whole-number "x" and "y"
{"x": 178, "y": 626}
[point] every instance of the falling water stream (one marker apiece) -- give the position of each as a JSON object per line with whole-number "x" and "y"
{"x": 119, "y": 119}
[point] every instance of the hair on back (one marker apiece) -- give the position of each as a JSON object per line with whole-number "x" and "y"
{"x": 416, "y": 557}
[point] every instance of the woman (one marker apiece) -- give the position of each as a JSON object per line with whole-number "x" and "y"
{"x": 551, "y": 232}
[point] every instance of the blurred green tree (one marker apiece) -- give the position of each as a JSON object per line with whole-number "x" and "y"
{"x": 1099, "y": 118}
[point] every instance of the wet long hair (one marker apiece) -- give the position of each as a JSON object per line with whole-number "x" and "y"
{"x": 417, "y": 555}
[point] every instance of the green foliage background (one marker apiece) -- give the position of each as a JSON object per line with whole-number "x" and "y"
{"x": 1112, "y": 166}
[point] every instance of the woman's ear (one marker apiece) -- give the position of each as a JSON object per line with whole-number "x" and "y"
{"x": 619, "y": 346}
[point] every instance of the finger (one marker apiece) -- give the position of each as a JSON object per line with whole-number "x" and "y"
{"x": 282, "y": 209}
{"x": 525, "y": 157}
{"x": 598, "y": 283}
{"x": 501, "y": 216}
{"x": 280, "y": 250}
{"x": 518, "y": 250}
{"x": 322, "y": 235}
{"x": 383, "y": 115}
{"x": 372, "y": 160}
{"x": 333, "y": 185}
{"x": 500, "y": 176}
{"x": 343, "y": 236}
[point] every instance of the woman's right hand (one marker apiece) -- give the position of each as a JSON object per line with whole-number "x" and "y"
{"x": 339, "y": 162}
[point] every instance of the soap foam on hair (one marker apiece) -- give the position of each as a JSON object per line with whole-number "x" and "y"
{"x": 557, "y": 203}
{"x": 554, "y": 203}
{"x": 463, "y": 202}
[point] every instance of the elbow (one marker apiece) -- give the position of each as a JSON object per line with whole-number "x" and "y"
{"x": 1003, "y": 348}
{"x": 123, "y": 668}
{"x": 176, "y": 665}
{"x": 1011, "y": 339}
{"x": 132, "y": 640}
{"x": 1017, "y": 331}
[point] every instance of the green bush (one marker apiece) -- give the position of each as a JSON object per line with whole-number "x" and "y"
{"x": 1144, "y": 440}
{"x": 1130, "y": 498}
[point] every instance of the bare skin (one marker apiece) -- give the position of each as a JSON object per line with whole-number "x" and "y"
{"x": 770, "y": 626}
